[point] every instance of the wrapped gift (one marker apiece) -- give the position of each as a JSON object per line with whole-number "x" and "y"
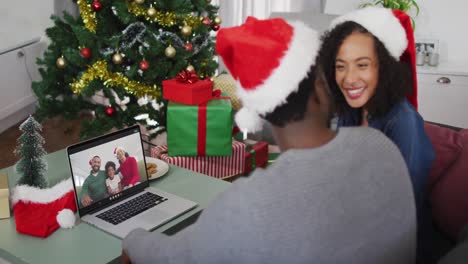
{"x": 256, "y": 155}
{"x": 200, "y": 130}
{"x": 4, "y": 197}
{"x": 227, "y": 85}
{"x": 187, "y": 89}
{"x": 219, "y": 167}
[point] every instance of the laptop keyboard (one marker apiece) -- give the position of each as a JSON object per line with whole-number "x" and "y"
{"x": 131, "y": 208}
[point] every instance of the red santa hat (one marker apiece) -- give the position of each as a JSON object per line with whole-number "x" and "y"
{"x": 39, "y": 212}
{"x": 394, "y": 29}
{"x": 268, "y": 58}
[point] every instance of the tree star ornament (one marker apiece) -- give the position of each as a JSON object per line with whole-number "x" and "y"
{"x": 97, "y": 6}
{"x": 170, "y": 52}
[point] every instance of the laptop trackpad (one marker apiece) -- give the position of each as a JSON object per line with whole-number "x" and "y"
{"x": 155, "y": 215}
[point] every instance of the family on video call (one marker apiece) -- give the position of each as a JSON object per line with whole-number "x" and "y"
{"x": 102, "y": 183}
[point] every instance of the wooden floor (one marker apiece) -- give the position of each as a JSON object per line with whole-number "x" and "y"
{"x": 58, "y": 133}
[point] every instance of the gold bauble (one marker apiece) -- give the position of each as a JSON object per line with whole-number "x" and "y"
{"x": 217, "y": 20}
{"x": 190, "y": 68}
{"x": 117, "y": 58}
{"x": 170, "y": 52}
{"x": 186, "y": 30}
{"x": 151, "y": 11}
{"x": 139, "y": 1}
{"x": 61, "y": 63}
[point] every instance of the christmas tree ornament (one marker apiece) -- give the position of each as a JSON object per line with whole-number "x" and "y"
{"x": 190, "y": 68}
{"x": 215, "y": 27}
{"x": 144, "y": 65}
{"x": 87, "y": 15}
{"x": 170, "y": 52}
{"x": 97, "y": 6}
{"x": 99, "y": 71}
{"x": 188, "y": 46}
{"x": 110, "y": 111}
{"x": 139, "y": 1}
{"x": 61, "y": 63}
{"x": 117, "y": 58}
{"x": 151, "y": 12}
{"x": 85, "y": 53}
{"x": 217, "y": 20}
{"x": 206, "y": 21}
{"x": 186, "y": 30}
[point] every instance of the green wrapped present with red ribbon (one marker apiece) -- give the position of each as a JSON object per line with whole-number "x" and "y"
{"x": 186, "y": 88}
{"x": 200, "y": 130}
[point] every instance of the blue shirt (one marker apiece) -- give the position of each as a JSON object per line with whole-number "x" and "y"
{"x": 405, "y": 127}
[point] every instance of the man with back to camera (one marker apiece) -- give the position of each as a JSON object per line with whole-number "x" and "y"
{"x": 330, "y": 197}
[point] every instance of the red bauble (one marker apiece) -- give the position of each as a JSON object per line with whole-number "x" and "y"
{"x": 110, "y": 111}
{"x": 206, "y": 21}
{"x": 97, "y": 6}
{"x": 215, "y": 27}
{"x": 85, "y": 53}
{"x": 188, "y": 46}
{"x": 144, "y": 65}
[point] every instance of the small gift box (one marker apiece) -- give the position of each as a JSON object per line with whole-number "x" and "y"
{"x": 4, "y": 197}
{"x": 218, "y": 167}
{"x": 256, "y": 155}
{"x": 186, "y": 88}
{"x": 200, "y": 130}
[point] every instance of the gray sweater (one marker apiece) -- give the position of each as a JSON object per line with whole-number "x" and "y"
{"x": 349, "y": 201}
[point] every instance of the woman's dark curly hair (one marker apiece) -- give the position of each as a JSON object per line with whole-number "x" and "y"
{"x": 395, "y": 77}
{"x": 296, "y": 103}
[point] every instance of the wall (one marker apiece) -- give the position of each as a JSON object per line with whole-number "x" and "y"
{"x": 441, "y": 20}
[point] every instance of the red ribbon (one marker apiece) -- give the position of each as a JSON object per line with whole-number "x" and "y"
{"x": 201, "y": 144}
{"x": 187, "y": 77}
{"x": 202, "y": 120}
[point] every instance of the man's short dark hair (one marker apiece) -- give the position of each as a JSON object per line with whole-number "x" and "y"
{"x": 296, "y": 103}
{"x": 395, "y": 77}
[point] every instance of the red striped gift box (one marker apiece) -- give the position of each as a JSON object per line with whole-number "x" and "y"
{"x": 215, "y": 166}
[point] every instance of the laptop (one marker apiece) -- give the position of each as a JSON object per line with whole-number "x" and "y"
{"x": 112, "y": 188}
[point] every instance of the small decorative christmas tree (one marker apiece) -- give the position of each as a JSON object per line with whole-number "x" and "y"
{"x": 30, "y": 148}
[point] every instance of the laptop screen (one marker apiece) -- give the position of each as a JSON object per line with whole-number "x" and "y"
{"x": 107, "y": 169}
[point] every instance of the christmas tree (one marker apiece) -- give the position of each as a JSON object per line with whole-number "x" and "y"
{"x": 111, "y": 60}
{"x": 30, "y": 148}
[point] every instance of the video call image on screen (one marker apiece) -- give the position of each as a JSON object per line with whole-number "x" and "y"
{"x": 106, "y": 170}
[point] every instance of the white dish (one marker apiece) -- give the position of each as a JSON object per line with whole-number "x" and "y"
{"x": 162, "y": 168}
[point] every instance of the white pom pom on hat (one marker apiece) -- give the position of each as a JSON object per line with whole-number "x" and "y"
{"x": 66, "y": 218}
{"x": 268, "y": 58}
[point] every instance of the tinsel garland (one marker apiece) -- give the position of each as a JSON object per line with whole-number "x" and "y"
{"x": 88, "y": 15}
{"x": 166, "y": 19}
{"x": 111, "y": 79}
